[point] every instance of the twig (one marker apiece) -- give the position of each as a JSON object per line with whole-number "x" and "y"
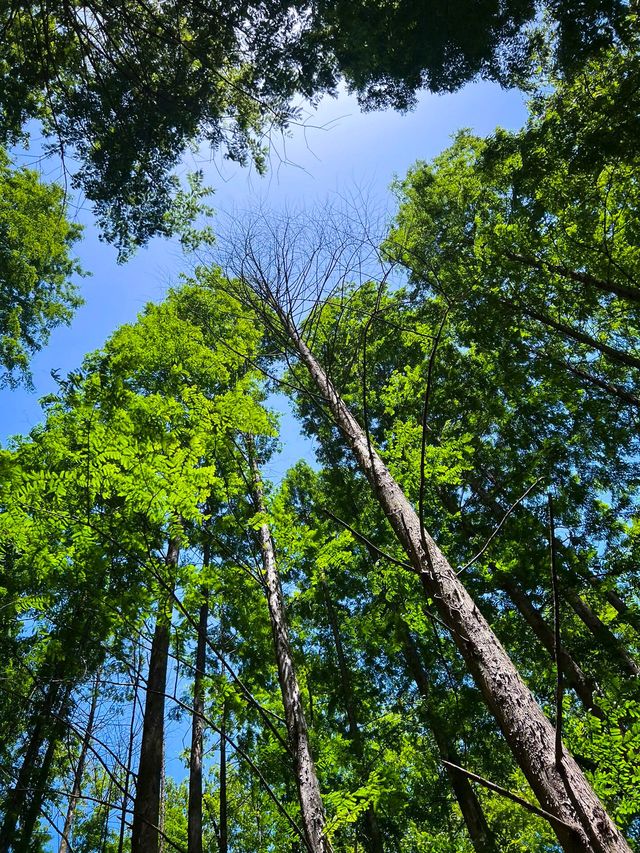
{"x": 368, "y": 542}
{"x": 499, "y": 526}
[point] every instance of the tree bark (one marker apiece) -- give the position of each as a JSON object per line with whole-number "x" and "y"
{"x": 373, "y": 835}
{"x": 311, "y": 807}
{"x": 532, "y": 616}
{"x": 194, "y": 817}
{"x": 145, "y": 837}
{"x": 472, "y": 812}
{"x": 582, "y": 823}
{"x": 77, "y": 779}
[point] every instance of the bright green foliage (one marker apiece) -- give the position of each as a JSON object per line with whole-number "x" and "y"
{"x": 129, "y": 86}
{"x": 37, "y": 291}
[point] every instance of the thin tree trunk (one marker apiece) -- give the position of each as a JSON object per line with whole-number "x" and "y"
{"x": 128, "y": 773}
{"x": 194, "y": 825}
{"x": 77, "y": 779}
{"x": 373, "y": 835}
{"x": 632, "y": 294}
{"x": 602, "y": 633}
{"x": 627, "y": 614}
{"x": 147, "y": 807}
{"x": 18, "y": 794}
{"x": 532, "y": 616}
{"x": 223, "y": 832}
{"x": 42, "y": 773}
{"x": 311, "y": 807}
{"x": 582, "y": 823}
{"x": 472, "y": 812}
{"x": 616, "y": 355}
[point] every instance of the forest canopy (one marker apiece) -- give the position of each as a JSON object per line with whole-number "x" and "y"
{"x": 427, "y": 637}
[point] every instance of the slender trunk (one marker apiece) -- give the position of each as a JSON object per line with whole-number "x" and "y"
{"x": 43, "y": 772}
{"x": 77, "y": 779}
{"x": 311, "y": 807}
{"x": 616, "y": 355}
{"x": 591, "y": 620}
{"x": 581, "y": 823}
{"x": 194, "y": 828}
{"x": 373, "y": 835}
{"x": 128, "y": 773}
{"x": 147, "y": 807}
{"x": 532, "y": 616}
{"x": 632, "y": 294}
{"x": 602, "y": 633}
{"x": 223, "y": 832}
{"x": 627, "y": 614}
{"x": 17, "y": 795}
{"x": 472, "y": 812}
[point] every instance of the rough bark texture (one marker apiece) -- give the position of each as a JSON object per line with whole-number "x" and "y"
{"x": 77, "y": 778}
{"x": 581, "y": 822}
{"x": 145, "y": 837}
{"x": 472, "y": 813}
{"x": 373, "y": 839}
{"x": 311, "y": 807}
{"x": 573, "y": 673}
{"x": 194, "y": 817}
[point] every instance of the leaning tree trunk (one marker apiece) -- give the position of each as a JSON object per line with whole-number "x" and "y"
{"x": 17, "y": 795}
{"x": 194, "y": 822}
{"x": 77, "y": 778}
{"x": 373, "y": 834}
{"x": 132, "y": 732}
{"x": 311, "y": 807}
{"x": 472, "y": 812}
{"x": 145, "y": 836}
{"x": 571, "y": 671}
{"x": 578, "y": 817}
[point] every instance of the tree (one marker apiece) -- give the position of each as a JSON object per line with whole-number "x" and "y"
{"x": 37, "y": 291}
{"x": 126, "y": 87}
{"x": 282, "y": 276}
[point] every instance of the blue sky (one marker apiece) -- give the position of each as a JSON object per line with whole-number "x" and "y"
{"x": 340, "y": 148}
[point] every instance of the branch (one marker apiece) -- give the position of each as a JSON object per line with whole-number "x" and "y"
{"x": 498, "y": 789}
{"x": 499, "y": 526}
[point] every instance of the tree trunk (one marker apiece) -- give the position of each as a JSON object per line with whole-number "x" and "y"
{"x": 311, "y": 807}
{"x": 223, "y": 831}
{"x": 128, "y": 774}
{"x": 373, "y": 835}
{"x": 77, "y": 779}
{"x": 42, "y": 773}
{"x": 194, "y": 824}
{"x": 17, "y": 795}
{"x": 145, "y": 837}
{"x": 581, "y": 823}
{"x": 627, "y": 614}
{"x": 573, "y": 673}
{"x": 475, "y": 821}
{"x": 602, "y": 633}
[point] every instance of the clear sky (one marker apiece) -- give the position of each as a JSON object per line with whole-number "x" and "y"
{"x": 341, "y": 147}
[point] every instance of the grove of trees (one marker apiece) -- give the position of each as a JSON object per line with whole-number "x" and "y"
{"x": 426, "y": 638}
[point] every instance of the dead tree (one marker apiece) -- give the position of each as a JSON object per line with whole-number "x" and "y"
{"x": 284, "y": 267}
